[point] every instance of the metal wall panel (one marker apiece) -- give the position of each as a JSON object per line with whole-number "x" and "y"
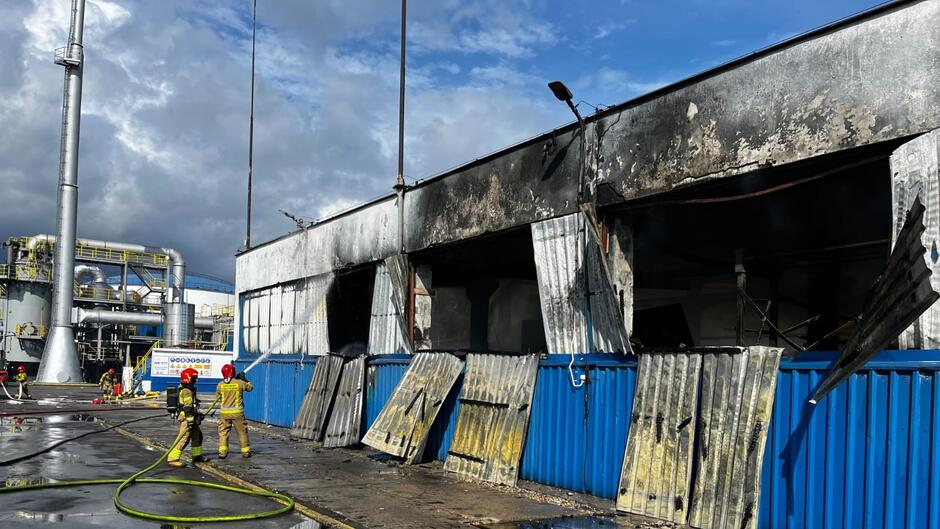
{"x": 568, "y": 265}
{"x": 577, "y": 436}
{"x": 902, "y": 294}
{"x": 386, "y": 325}
{"x": 494, "y": 414}
{"x": 559, "y": 264}
{"x": 287, "y": 319}
{"x": 657, "y": 466}
{"x": 346, "y": 418}
{"x": 737, "y": 401}
{"x": 279, "y": 387}
{"x": 402, "y": 427}
{"x": 311, "y": 420}
{"x": 868, "y": 455}
{"x": 383, "y": 376}
{"x": 915, "y": 172}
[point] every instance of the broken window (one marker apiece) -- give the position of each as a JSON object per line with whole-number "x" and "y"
{"x": 805, "y": 243}
{"x": 481, "y": 295}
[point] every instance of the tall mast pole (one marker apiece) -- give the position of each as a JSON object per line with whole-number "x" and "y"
{"x": 251, "y": 121}
{"x": 400, "y": 180}
{"x": 59, "y": 361}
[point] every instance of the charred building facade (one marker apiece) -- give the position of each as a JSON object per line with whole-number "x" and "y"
{"x": 756, "y": 204}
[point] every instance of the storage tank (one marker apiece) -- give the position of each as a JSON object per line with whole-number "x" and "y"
{"x": 179, "y": 321}
{"x": 26, "y": 322}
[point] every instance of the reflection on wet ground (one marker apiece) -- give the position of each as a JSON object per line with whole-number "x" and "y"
{"x": 106, "y": 456}
{"x": 585, "y": 522}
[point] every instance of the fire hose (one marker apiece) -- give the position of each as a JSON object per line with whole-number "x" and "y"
{"x": 287, "y": 503}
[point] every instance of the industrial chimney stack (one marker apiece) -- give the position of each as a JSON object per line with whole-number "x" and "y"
{"x": 59, "y": 361}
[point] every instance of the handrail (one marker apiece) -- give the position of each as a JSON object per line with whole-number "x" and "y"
{"x": 142, "y": 361}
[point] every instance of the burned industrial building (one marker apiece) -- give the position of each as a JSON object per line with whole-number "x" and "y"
{"x": 746, "y": 223}
{"x": 714, "y": 305}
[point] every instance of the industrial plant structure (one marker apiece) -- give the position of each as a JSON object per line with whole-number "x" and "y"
{"x": 122, "y": 296}
{"x": 642, "y": 271}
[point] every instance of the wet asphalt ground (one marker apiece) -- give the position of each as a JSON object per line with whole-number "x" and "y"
{"x": 347, "y": 488}
{"x": 103, "y": 456}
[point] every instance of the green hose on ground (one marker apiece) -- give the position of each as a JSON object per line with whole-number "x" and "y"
{"x": 287, "y": 503}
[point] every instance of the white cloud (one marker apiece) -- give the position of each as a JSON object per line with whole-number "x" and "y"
{"x": 165, "y": 112}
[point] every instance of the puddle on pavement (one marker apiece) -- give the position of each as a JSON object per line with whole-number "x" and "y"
{"x": 585, "y": 522}
{"x": 22, "y": 481}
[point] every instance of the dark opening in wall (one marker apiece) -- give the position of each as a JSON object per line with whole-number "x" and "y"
{"x": 350, "y": 303}
{"x": 814, "y": 237}
{"x": 480, "y": 295}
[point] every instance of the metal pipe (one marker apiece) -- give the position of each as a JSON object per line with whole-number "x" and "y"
{"x": 177, "y": 263}
{"x": 96, "y": 274}
{"x": 105, "y": 316}
{"x": 59, "y": 361}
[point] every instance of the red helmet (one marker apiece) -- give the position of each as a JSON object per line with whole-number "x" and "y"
{"x": 111, "y": 371}
{"x": 228, "y": 370}
{"x": 187, "y": 375}
{"x": 21, "y": 369}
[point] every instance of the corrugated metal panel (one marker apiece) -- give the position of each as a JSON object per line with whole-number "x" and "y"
{"x": 441, "y": 435}
{"x": 346, "y": 417}
{"x": 564, "y": 275}
{"x": 311, "y": 315}
{"x": 657, "y": 464}
{"x": 386, "y": 325}
{"x": 559, "y": 265}
{"x": 402, "y": 427}
{"x": 494, "y": 415}
{"x": 287, "y": 319}
{"x": 577, "y": 436}
{"x": 901, "y": 295}
{"x": 384, "y": 375}
{"x": 311, "y": 421}
{"x": 866, "y": 456}
{"x": 279, "y": 387}
{"x": 915, "y": 171}
{"x": 737, "y": 400}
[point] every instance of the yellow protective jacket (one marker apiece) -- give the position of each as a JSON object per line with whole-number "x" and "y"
{"x": 106, "y": 382}
{"x": 21, "y": 378}
{"x": 188, "y": 405}
{"x": 230, "y": 396}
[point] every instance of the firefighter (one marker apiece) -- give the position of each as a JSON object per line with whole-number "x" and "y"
{"x": 232, "y": 410}
{"x": 189, "y": 418}
{"x": 107, "y": 382}
{"x": 24, "y": 385}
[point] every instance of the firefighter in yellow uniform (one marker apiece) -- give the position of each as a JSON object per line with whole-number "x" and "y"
{"x": 189, "y": 419}
{"x": 232, "y": 410}
{"x": 106, "y": 383}
{"x": 24, "y": 385}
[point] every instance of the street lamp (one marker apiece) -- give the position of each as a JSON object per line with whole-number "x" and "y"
{"x": 562, "y": 93}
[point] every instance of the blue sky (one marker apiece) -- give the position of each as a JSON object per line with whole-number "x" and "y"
{"x": 164, "y": 127}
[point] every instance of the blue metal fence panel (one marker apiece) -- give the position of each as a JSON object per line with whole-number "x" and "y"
{"x": 382, "y": 378}
{"x": 442, "y": 432}
{"x": 868, "y": 455}
{"x": 279, "y": 387}
{"x": 577, "y": 436}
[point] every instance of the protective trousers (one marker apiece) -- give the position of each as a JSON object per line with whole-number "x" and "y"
{"x": 226, "y": 422}
{"x": 193, "y": 434}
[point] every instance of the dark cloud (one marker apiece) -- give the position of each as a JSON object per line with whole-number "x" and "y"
{"x": 164, "y": 127}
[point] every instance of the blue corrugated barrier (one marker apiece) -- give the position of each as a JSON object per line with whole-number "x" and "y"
{"x": 279, "y": 383}
{"x": 866, "y": 456}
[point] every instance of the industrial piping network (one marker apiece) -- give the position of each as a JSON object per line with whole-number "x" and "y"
{"x": 132, "y": 318}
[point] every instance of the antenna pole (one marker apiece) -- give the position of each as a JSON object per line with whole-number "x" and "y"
{"x": 251, "y": 121}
